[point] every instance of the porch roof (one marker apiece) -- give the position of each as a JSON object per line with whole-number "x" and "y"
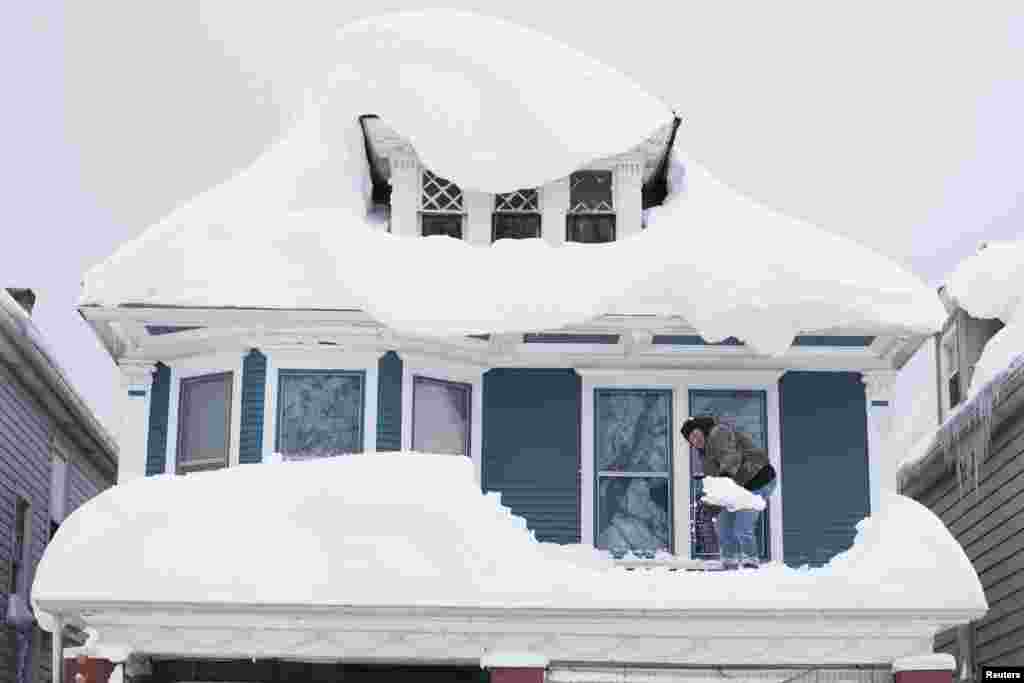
{"x": 294, "y": 551}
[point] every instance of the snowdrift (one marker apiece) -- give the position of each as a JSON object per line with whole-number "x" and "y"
{"x": 294, "y": 225}
{"x": 414, "y": 529}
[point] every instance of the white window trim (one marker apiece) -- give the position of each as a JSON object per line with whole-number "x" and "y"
{"x": 314, "y": 359}
{"x": 680, "y": 382}
{"x": 198, "y": 366}
{"x": 414, "y": 365}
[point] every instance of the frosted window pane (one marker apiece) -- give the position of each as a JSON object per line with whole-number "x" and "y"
{"x": 320, "y": 412}
{"x": 633, "y": 430}
{"x": 203, "y": 420}
{"x": 633, "y": 514}
{"x": 441, "y": 416}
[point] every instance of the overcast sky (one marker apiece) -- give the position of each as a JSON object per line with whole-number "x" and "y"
{"x": 898, "y": 127}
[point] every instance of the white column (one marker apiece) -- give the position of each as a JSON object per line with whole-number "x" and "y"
{"x": 881, "y": 471}
{"x": 628, "y": 196}
{"x": 479, "y": 207}
{"x": 405, "y": 193}
{"x": 554, "y": 203}
{"x": 133, "y": 428}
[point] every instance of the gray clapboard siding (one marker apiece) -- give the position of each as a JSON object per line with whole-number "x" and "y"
{"x": 389, "y": 402}
{"x": 824, "y": 463}
{"x": 159, "y": 401}
{"x": 989, "y": 524}
{"x": 531, "y": 448}
{"x": 25, "y": 473}
{"x": 254, "y": 387}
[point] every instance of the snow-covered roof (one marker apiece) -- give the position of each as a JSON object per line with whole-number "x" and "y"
{"x": 406, "y": 529}
{"x": 987, "y": 284}
{"x": 296, "y": 220}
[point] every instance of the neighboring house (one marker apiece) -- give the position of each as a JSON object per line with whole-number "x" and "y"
{"x": 54, "y": 456}
{"x": 969, "y": 473}
{"x": 578, "y": 429}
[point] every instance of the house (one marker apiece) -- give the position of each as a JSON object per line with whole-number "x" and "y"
{"x": 54, "y": 456}
{"x": 564, "y": 397}
{"x": 967, "y": 471}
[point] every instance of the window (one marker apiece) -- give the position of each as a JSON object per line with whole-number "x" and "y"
{"x": 22, "y": 541}
{"x": 516, "y": 215}
{"x": 320, "y": 412}
{"x": 58, "y": 488}
{"x": 633, "y": 458}
{"x": 441, "y": 207}
{"x": 951, "y": 366}
{"x": 441, "y": 416}
{"x": 204, "y": 421}
{"x": 591, "y": 217}
{"x": 746, "y": 411}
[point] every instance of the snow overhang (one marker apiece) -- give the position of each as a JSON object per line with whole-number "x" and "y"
{"x": 423, "y": 552}
{"x": 299, "y": 214}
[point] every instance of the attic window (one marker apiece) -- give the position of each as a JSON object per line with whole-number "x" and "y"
{"x": 591, "y": 217}
{"x": 441, "y": 206}
{"x": 516, "y": 215}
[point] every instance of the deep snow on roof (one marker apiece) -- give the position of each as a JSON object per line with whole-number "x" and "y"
{"x": 415, "y": 529}
{"x": 297, "y": 221}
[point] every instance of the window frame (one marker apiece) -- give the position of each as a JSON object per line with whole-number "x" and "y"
{"x": 416, "y": 378}
{"x": 949, "y": 358}
{"x": 299, "y": 372}
{"x": 422, "y": 205}
{"x": 574, "y": 213}
{"x": 680, "y": 380}
{"x": 765, "y": 539}
{"x": 188, "y": 368}
{"x": 21, "y": 555}
{"x": 414, "y": 364}
{"x": 211, "y": 463}
{"x": 668, "y": 475}
{"x": 322, "y": 358}
{"x": 504, "y": 207}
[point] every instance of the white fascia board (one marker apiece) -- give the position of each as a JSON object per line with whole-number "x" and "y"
{"x": 392, "y": 633}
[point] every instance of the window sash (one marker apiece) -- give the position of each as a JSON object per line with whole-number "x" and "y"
{"x": 591, "y": 192}
{"x": 527, "y": 225}
{"x": 631, "y": 472}
{"x": 703, "y": 539}
{"x": 418, "y": 383}
{"x": 285, "y": 376}
{"x": 187, "y": 460}
{"x": 590, "y": 228}
{"x": 440, "y": 194}
{"x": 432, "y": 223}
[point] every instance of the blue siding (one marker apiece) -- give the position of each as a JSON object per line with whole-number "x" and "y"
{"x": 531, "y": 448}
{"x": 159, "y": 398}
{"x": 824, "y": 463}
{"x": 389, "y": 402}
{"x": 254, "y": 386}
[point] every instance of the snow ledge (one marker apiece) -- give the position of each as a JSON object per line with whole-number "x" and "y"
{"x": 932, "y": 662}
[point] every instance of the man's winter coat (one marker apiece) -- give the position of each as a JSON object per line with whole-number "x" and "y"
{"x": 731, "y": 453}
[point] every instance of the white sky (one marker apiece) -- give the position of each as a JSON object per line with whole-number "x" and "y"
{"x": 899, "y": 128}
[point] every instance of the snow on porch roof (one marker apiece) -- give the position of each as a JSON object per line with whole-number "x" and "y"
{"x": 406, "y": 529}
{"x": 295, "y": 222}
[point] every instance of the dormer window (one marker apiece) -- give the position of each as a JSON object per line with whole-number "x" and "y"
{"x": 591, "y": 216}
{"x": 441, "y": 207}
{"x": 516, "y": 215}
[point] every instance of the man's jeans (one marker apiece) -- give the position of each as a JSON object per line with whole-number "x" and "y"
{"x": 736, "y": 530}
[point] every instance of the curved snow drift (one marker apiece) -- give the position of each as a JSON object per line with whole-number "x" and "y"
{"x": 295, "y": 222}
{"x": 364, "y": 530}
